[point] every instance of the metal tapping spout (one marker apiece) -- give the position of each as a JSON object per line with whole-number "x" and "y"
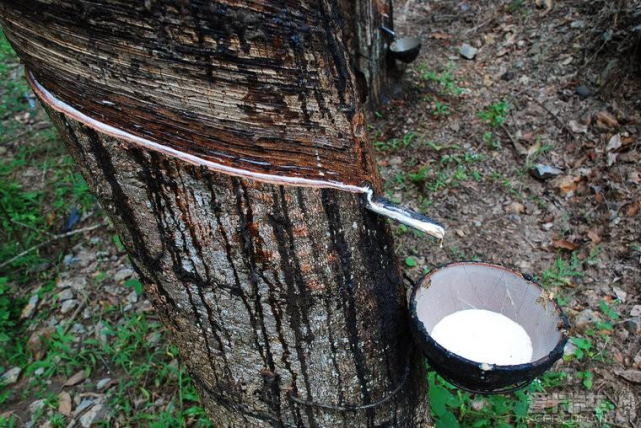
{"x": 403, "y": 215}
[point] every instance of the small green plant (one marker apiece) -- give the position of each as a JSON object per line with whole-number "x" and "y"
{"x": 551, "y": 380}
{"x": 57, "y": 420}
{"x": 400, "y": 180}
{"x": 64, "y": 357}
{"x": 441, "y": 109}
{"x": 445, "y": 79}
{"x": 452, "y": 407}
{"x": 8, "y": 421}
{"x": 419, "y": 176}
{"x": 587, "y": 378}
{"x": 495, "y": 114}
{"x": 583, "y": 347}
{"x": 602, "y": 409}
{"x": 437, "y": 148}
{"x": 410, "y": 262}
{"x": 8, "y": 313}
{"x": 515, "y": 5}
{"x": 608, "y": 311}
{"x": 561, "y": 273}
{"x": 491, "y": 142}
{"x": 395, "y": 144}
{"x": 604, "y": 326}
{"x": 439, "y": 183}
{"x": 459, "y": 175}
{"x": 135, "y": 284}
{"x": 423, "y": 204}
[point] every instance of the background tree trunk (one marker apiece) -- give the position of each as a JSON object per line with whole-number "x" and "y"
{"x": 272, "y": 293}
{"x": 367, "y": 45}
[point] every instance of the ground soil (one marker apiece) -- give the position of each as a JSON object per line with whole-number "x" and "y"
{"x": 535, "y": 60}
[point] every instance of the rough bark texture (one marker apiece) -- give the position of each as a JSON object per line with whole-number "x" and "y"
{"x": 264, "y": 86}
{"x": 267, "y": 290}
{"x": 367, "y": 45}
{"x": 270, "y": 292}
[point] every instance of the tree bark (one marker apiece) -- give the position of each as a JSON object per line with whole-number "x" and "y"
{"x": 186, "y": 118}
{"x": 367, "y": 45}
{"x": 261, "y": 87}
{"x": 268, "y": 290}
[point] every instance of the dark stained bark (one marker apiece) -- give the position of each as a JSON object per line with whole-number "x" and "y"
{"x": 261, "y": 86}
{"x": 268, "y": 290}
{"x": 273, "y": 293}
{"x": 367, "y": 45}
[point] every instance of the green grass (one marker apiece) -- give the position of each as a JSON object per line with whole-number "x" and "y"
{"x": 395, "y": 144}
{"x": 143, "y": 368}
{"x": 491, "y": 141}
{"x": 445, "y": 79}
{"x": 39, "y": 187}
{"x": 452, "y": 407}
{"x": 562, "y": 273}
{"x": 16, "y": 94}
{"x": 516, "y": 6}
{"x": 454, "y": 167}
{"x": 441, "y": 109}
{"x": 495, "y": 114}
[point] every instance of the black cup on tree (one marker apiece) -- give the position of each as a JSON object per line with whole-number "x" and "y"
{"x": 406, "y": 49}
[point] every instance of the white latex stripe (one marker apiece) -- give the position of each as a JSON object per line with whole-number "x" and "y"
{"x": 396, "y": 213}
{"x": 65, "y": 108}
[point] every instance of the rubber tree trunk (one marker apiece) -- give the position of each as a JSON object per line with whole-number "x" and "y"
{"x": 269, "y": 291}
{"x": 186, "y": 119}
{"x": 367, "y": 44}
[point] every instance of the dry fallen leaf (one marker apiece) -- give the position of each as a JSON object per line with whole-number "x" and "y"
{"x": 614, "y": 143}
{"x": 440, "y": 36}
{"x": 37, "y": 342}
{"x": 627, "y": 141}
{"x": 516, "y": 208}
{"x": 23, "y": 118}
{"x": 594, "y": 237}
{"x": 632, "y": 209}
{"x": 547, "y": 4}
{"x": 630, "y": 375}
{"x": 64, "y": 403}
{"x": 6, "y": 415}
{"x": 534, "y": 148}
{"x": 502, "y": 52}
{"x": 76, "y": 379}
{"x": 565, "y": 245}
{"x": 607, "y": 119}
{"x": 578, "y": 128}
{"x": 566, "y": 183}
{"x": 617, "y": 355}
{"x": 599, "y": 197}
